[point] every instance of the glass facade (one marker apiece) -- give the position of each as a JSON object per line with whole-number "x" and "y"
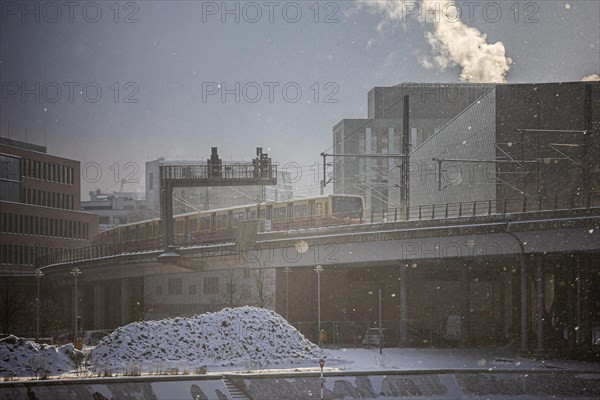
{"x": 10, "y": 178}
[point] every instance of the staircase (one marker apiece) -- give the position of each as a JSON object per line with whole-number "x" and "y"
{"x": 234, "y": 392}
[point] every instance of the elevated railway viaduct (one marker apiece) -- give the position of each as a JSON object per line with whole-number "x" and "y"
{"x": 532, "y": 276}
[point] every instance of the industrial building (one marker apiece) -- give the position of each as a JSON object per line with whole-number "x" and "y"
{"x": 39, "y": 215}
{"x": 501, "y": 143}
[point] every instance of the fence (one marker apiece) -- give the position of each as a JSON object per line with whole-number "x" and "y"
{"x": 485, "y": 207}
{"x": 418, "y": 333}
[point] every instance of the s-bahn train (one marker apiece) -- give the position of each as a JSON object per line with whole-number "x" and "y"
{"x": 220, "y": 225}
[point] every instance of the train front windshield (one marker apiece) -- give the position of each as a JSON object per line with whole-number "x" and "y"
{"x": 347, "y": 207}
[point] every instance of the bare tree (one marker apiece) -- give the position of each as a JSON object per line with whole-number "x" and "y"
{"x": 52, "y": 318}
{"x": 263, "y": 283}
{"x": 144, "y": 305}
{"x": 232, "y": 292}
{"x": 12, "y": 305}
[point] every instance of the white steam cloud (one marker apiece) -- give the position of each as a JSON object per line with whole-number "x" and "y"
{"x": 453, "y": 42}
{"x": 589, "y": 78}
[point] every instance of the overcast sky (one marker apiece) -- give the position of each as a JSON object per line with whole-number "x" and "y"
{"x": 161, "y": 67}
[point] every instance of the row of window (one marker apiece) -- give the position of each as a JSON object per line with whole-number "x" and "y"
{"x": 48, "y": 199}
{"x": 175, "y": 287}
{"x": 23, "y": 255}
{"x": 40, "y": 226}
{"x": 48, "y": 171}
{"x": 115, "y": 220}
{"x": 224, "y": 221}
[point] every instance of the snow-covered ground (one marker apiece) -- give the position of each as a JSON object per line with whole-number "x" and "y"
{"x": 418, "y": 359}
{"x": 245, "y": 339}
{"x": 20, "y": 358}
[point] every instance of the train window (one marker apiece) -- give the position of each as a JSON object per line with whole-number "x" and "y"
{"x": 178, "y": 227}
{"x": 221, "y": 221}
{"x": 279, "y": 213}
{"x": 300, "y": 211}
{"x": 205, "y": 224}
{"x": 347, "y": 206}
{"x": 319, "y": 209}
{"x": 194, "y": 225}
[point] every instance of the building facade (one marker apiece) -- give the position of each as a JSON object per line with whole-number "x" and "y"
{"x": 117, "y": 208}
{"x": 378, "y": 179}
{"x": 39, "y": 215}
{"x": 519, "y": 146}
{"x": 501, "y": 146}
{"x": 40, "y": 201}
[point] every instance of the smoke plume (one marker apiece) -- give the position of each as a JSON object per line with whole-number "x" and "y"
{"x": 590, "y": 78}
{"x": 452, "y": 41}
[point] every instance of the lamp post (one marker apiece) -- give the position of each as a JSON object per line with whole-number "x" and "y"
{"x": 318, "y": 270}
{"x": 75, "y": 272}
{"x": 380, "y": 326}
{"x": 38, "y": 276}
{"x": 286, "y": 270}
{"x": 322, "y": 364}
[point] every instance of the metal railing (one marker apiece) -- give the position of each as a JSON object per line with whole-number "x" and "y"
{"x": 226, "y": 172}
{"x": 417, "y": 333}
{"x": 484, "y": 207}
{"x": 87, "y": 253}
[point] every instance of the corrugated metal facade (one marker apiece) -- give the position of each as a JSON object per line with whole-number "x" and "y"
{"x": 470, "y": 135}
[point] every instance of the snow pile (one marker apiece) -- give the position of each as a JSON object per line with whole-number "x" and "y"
{"x": 22, "y": 358}
{"x": 231, "y": 337}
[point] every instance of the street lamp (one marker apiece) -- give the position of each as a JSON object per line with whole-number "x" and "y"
{"x": 380, "y": 323}
{"x": 286, "y": 270}
{"x": 318, "y": 270}
{"x": 75, "y": 272}
{"x": 38, "y": 276}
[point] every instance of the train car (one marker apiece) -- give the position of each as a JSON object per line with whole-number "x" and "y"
{"x": 220, "y": 225}
{"x": 315, "y": 212}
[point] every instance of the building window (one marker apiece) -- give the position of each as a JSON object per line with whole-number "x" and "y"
{"x": 151, "y": 181}
{"x": 175, "y": 285}
{"x": 159, "y": 290}
{"x": 211, "y": 285}
{"x": 192, "y": 290}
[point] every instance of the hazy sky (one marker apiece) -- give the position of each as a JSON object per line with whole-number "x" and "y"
{"x": 161, "y": 67}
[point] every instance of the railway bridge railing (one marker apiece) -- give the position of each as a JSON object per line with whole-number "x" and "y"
{"x": 440, "y": 212}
